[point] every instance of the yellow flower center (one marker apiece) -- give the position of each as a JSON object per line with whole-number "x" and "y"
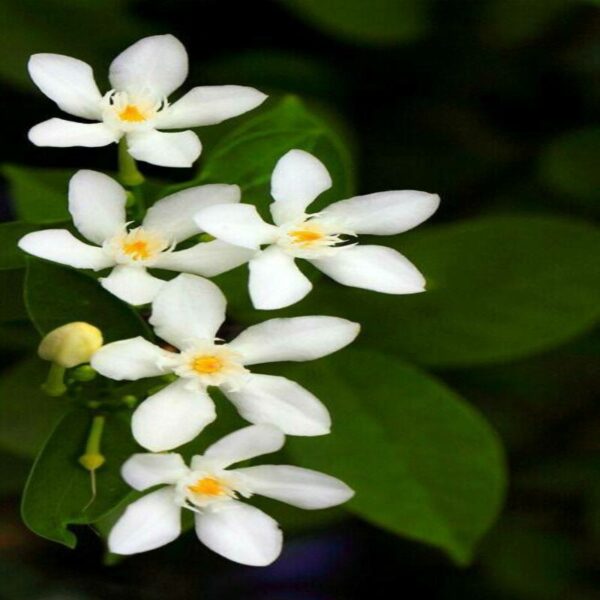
{"x": 303, "y": 236}
{"x": 138, "y": 250}
{"x": 132, "y": 114}
{"x": 207, "y": 486}
{"x": 207, "y": 364}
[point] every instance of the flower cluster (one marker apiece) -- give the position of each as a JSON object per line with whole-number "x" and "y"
{"x": 187, "y": 312}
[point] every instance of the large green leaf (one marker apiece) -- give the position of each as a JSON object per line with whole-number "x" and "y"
{"x": 58, "y": 492}
{"x": 27, "y": 415}
{"x": 499, "y": 288}
{"x": 55, "y": 295}
{"x": 378, "y": 22}
{"x": 247, "y": 155}
{"x": 423, "y": 463}
{"x": 12, "y": 307}
{"x": 10, "y": 233}
{"x": 38, "y": 195}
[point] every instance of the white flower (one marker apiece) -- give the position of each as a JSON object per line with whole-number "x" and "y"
{"x": 187, "y": 313}
{"x": 97, "y": 205}
{"x": 235, "y": 530}
{"x": 321, "y": 238}
{"x": 142, "y": 77}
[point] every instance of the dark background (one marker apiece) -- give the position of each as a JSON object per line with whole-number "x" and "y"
{"x": 489, "y": 103}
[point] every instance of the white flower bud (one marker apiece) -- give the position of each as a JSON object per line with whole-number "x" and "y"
{"x": 71, "y": 344}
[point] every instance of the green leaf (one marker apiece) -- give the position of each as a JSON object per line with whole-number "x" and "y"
{"x": 27, "y": 416}
{"x": 38, "y": 195}
{"x": 499, "y": 289}
{"x": 248, "y": 154}
{"x": 58, "y": 492}
{"x": 12, "y": 307}
{"x": 381, "y": 22}
{"x": 569, "y": 164}
{"x": 10, "y": 233}
{"x": 423, "y": 463}
{"x": 55, "y": 295}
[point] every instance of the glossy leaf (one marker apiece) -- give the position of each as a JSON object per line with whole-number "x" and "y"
{"x": 12, "y": 307}
{"x": 10, "y": 233}
{"x": 58, "y": 492}
{"x": 38, "y": 195}
{"x": 55, "y": 295}
{"x": 499, "y": 289}
{"x": 423, "y": 463}
{"x": 27, "y": 415}
{"x": 248, "y": 154}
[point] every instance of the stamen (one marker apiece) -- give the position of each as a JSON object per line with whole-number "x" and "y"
{"x": 304, "y": 236}
{"x": 138, "y": 250}
{"x": 207, "y": 364}
{"x": 207, "y": 486}
{"x": 132, "y": 114}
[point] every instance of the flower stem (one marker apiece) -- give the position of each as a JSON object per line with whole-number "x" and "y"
{"x": 54, "y": 384}
{"x": 93, "y": 459}
{"x": 129, "y": 174}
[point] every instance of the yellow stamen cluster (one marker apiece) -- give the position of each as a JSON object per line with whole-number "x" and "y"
{"x": 207, "y": 364}
{"x": 138, "y": 249}
{"x": 207, "y": 486}
{"x": 306, "y": 236}
{"x": 132, "y": 114}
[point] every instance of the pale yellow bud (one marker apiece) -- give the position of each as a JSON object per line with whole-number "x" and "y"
{"x": 71, "y": 344}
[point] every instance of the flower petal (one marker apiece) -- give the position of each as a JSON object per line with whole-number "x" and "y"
{"x": 209, "y": 105}
{"x": 69, "y": 82}
{"x": 64, "y": 134}
{"x": 244, "y": 444}
{"x": 188, "y": 308}
{"x": 133, "y": 285}
{"x": 384, "y": 213}
{"x": 143, "y": 471}
{"x": 298, "y": 178}
{"x": 241, "y": 533}
{"x": 147, "y": 523}
{"x": 131, "y": 359}
{"x": 238, "y": 224}
{"x": 61, "y": 246}
{"x": 172, "y": 417}
{"x": 373, "y": 268}
{"x": 295, "y": 339}
{"x": 173, "y": 215}
{"x": 280, "y": 402}
{"x": 157, "y": 65}
{"x": 179, "y": 149}
{"x": 275, "y": 280}
{"x": 299, "y": 487}
{"x": 207, "y": 259}
{"x": 97, "y": 205}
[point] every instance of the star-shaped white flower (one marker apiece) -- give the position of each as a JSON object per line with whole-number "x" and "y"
{"x": 97, "y": 205}
{"x": 233, "y": 529}
{"x": 322, "y": 238}
{"x": 187, "y": 313}
{"x": 142, "y": 77}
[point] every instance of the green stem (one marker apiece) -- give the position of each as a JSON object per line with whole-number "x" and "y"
{"x": 129, "y": 174}
{"x": 93, "y": 458}
{"x": 54, "y": 384}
